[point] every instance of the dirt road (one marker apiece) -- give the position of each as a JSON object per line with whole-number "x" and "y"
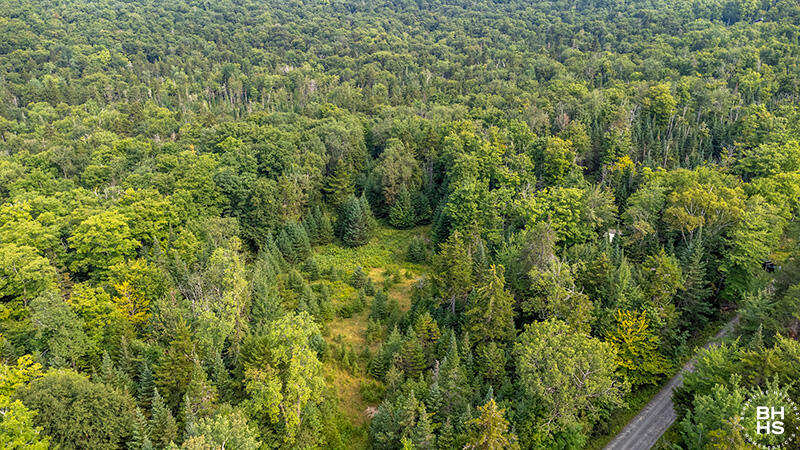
{"x": 643, "y": 431}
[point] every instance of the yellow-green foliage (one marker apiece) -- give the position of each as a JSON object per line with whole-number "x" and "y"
{"x": 638, "y": 358}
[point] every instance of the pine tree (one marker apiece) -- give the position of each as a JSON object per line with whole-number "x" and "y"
{"x": 454, "y": 383}
{"x": 453, "y": 270}
{"x": 417, "y": 250}
{"x": 422, "y": 207}
{"x": 447, "y": 437}
{"x": 401, "y": 213}
{"x": 359, "y": 278}
{"x": 378, "y": 311}
{"x": 146, "y": 385}
{"x": 163, "y": 426}
{"x": 325, "y": 233}
{"x": 189, "y": 418}
{"x": 140, "y": 437}
{"x": 340, "y": 185}
{"x": 491, "y": 430}
{"x": 480, "y": 261}
{"x": 355, "y": 223}
{"x": 491, "y": 317}
{"x": 693, "y": 301}
{"x": 413, "y": 356}
{"x": 293, "y": 242}
{"x": 220, "y": 375}
{"x": 422, "y": 435}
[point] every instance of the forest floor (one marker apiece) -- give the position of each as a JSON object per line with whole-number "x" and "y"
{"x": 383, "y": 257}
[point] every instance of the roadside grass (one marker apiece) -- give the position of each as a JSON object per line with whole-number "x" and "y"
{"x": 637, "y": 400}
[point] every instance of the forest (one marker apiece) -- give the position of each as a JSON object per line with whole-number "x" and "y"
{"x": 416, "y": 224}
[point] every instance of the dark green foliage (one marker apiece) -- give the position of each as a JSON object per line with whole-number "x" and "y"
{"x": 359, "y": 279}
{"x": 163, "y": 429}
{"x": 140, "y": 438}
{"x": 146, "y": 385}
{"x": 417, "y": 250}
{"x": 177, "y": 179}
{"x": 77, "y": 413}
{"x": 402, "y": 213}
{"x": 293, "y": 243}
{"x": 355, "y": 222}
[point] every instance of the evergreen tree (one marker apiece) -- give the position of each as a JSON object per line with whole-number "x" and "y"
{"x": 491, "y": 317}
{"x": 325, "y": 232}
{"x": 417, "y": 250}
{"x": 378, "y": 311}
{"x": 220, "y": 376}
{"x": 421, "y": 206}
{"x": 693, "y": 301}
{"x": 163, "y": 426}
{"x": 422, "y": 435}
{"x": 340, "y": 185}
{"x": 146, "y": 385}
{"x": 293, "y": 242}
{"x": 413, "y": 356}
{"x": 401, "y": 213}
{"x": 447, "y": 437}
{"x": 453, "y": 270}
{"x": 140, "y": 437}
{"x": 355, "y": 223}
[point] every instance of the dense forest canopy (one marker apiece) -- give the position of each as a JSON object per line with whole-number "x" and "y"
{"x": 393, "y": 224}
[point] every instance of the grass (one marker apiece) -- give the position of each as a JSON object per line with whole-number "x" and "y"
{"x": 386, "y": 250}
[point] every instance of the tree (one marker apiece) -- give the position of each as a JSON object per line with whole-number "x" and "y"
{"x": 23, "y": 273}
{"x": 283, "y": 375}
{"x": 570, "y": 373}
{"x": 294, "y": 243}
{"x": 636, "y": 348}
{"x": 693, "y": 301}
{"x": 227, "y": 429}
{"x": 355, "y": 222}
{"x": 401, "y": 213}
{"x": 140, "y": 438}
{"x": 77, "y": 413}
{"x": 101, "y": 241}
{"x": 491, "y": 430}
{"x": 59, "y": 330}
{"x": 453, "y": 270}
{"x": 17, "y": 429}
{"x": 163, "y": 428}
{"x": 491, "y": 315}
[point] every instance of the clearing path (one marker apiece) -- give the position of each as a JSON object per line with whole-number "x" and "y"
{"x": 644, "y": 430}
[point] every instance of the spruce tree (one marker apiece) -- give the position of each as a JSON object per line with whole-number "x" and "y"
{"x": 340, "y": 185}
{"x": 693, "y": 301}
{"x": 163, "y": 426}
{"x": 421, "y": 206}
{"x": 401, "y": 213}
{"x": 422, "y": 435}
{"x": 140, "y": 433}
{"x": 453, "y": 270}
{"x": 355, "y": 222}
{"x": 146, "y": 385}
{"x": 491, "y": 316}
{"x": 413, "y": 356}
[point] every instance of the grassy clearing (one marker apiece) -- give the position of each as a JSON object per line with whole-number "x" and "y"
{"x": 386, "y": 250}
